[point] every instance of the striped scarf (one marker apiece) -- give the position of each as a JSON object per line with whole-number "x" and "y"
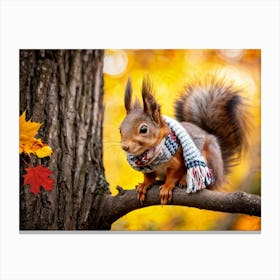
{"x": 199, "y": 176}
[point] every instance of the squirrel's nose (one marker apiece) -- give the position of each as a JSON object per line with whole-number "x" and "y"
{"x": 125, "y": 147}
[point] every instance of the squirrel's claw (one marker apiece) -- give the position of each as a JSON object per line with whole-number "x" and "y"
{"x": 141, "y": 192}
{"x": 183, "y": 184}
{"x": 165, "y": 194}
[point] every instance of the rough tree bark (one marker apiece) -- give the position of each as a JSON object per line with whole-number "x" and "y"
{"x": 63, "y": 89}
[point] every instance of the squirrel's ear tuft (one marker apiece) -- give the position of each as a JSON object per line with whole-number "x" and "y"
{"x": 151, "y": 107}
{"x": 127, "y": 96}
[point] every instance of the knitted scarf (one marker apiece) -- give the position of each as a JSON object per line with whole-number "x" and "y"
{"x": 199, "y": 176}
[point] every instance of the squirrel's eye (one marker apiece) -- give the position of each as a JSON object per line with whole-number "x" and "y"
{"x": 143, "y": 129}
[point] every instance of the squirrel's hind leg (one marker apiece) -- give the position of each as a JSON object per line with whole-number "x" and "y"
{"x": 183, "y": 182}
{"x": 213, "y": 157}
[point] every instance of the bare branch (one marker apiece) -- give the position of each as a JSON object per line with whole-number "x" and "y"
{"x": 235, "y": 202}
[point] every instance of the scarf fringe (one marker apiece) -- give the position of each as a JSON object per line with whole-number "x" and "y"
{"x": 198, "y": 178}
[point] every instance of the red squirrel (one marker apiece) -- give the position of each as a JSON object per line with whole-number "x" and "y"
{"x": 213, "y": 113}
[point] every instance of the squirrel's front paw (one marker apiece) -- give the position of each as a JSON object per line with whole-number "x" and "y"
{"x": 165, "y": 194}
{"x": 141, "y": 192}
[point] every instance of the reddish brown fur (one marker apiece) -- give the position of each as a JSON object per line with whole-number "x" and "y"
{"x": 172, "y": 172}
{"x": 214, "y": 115}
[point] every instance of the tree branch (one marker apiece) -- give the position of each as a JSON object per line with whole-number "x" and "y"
{"x": 235, "y": 202}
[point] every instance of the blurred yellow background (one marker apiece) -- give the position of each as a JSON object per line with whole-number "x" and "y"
{"x": 170, "y": 70}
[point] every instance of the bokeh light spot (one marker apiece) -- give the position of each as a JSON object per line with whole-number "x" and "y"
{"x": 115, "y": 62}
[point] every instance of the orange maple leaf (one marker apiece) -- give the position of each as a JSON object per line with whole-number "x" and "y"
{"x": 28, "y": 144}
{"x": 38, "y": 176}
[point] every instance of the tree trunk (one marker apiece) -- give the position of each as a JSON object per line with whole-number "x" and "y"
{"x": 63, "y": 90}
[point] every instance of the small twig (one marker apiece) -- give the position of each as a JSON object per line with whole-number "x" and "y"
{"x": 120, "y": 190}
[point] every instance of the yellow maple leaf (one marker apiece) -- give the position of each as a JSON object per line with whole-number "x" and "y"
{"x": 28, "y": 129}
{"x": 28, "y": 144}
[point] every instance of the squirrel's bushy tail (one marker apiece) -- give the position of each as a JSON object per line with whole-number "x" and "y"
{"x": 216, "y": 106}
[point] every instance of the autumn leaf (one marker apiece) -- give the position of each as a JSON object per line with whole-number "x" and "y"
{"x": 28, "y": 144}
{"x": 44, "y": 151}
{"x": 28, "y": 129}
{"x": 38, "y": 176}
